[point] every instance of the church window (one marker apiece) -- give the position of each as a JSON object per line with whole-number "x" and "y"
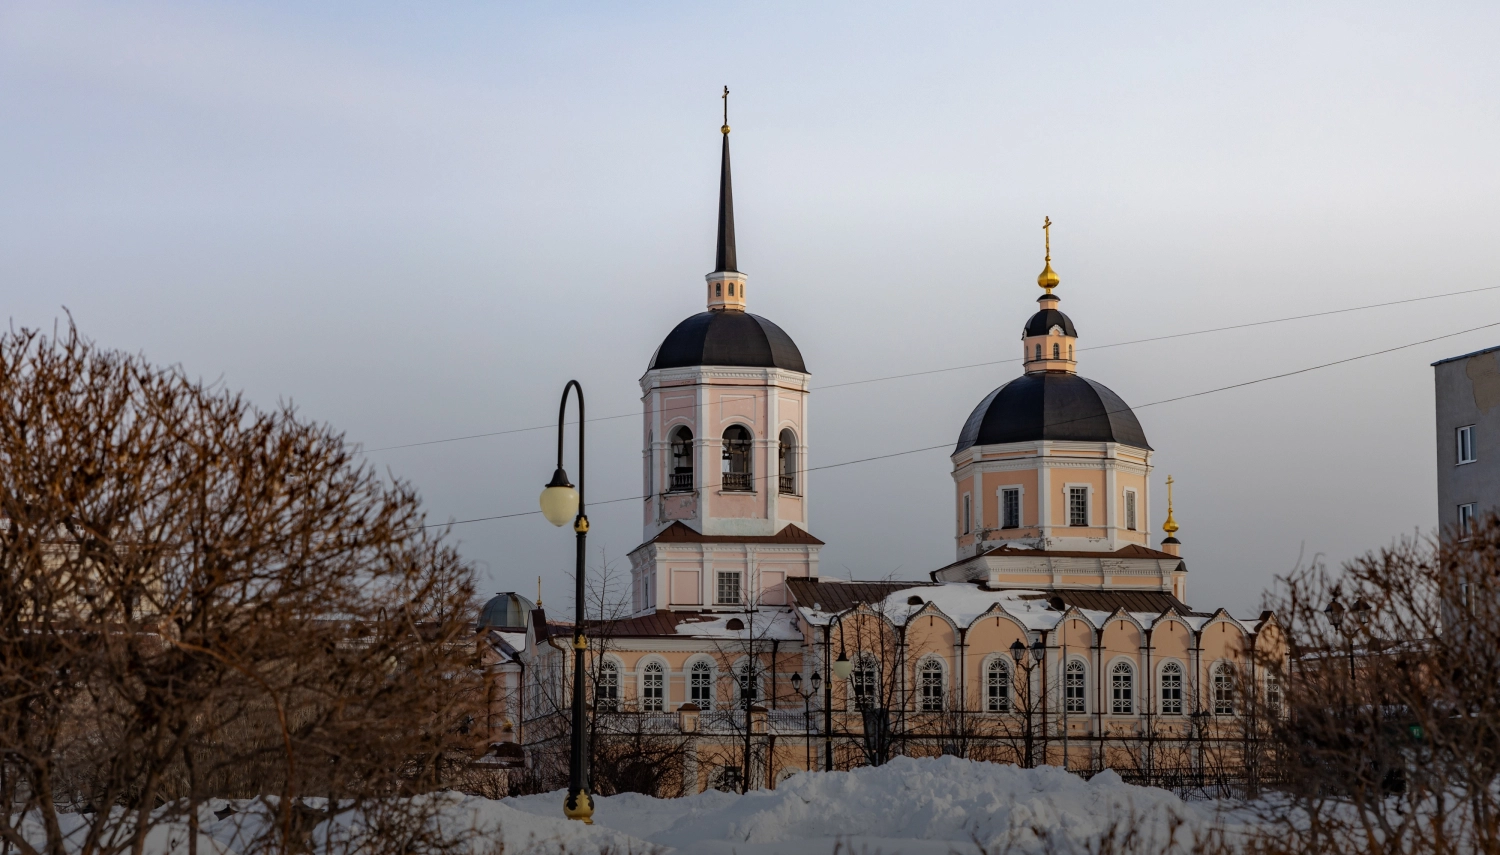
{"x": 863, "y": 679}
{"x": 931, "y": 684}
{"x": 1073, "y": 684}
{"x": 1070, "y": 351}
{"x": 607, "y": 687}
{"x": 718, "y": 289}
{"x": 653, "y": 688}
{"x": 966, "y": 513}
{"x": 1466, "y": 445}
{"x": 701, "y": 685}
{"x": 682, "y": 461}
{"x": 1056, "y": 351}
{"x": 1171, "y": 689}
{"x": 729, "y": 587}
{"x": 1223, "y": 690}
{"x": 1122, "y": 689}
{"x": 997, "y": 686}
{"x": 1273, "y": 696}
{"x": 1078, "y": 506}
{"x": 736, "y": 475}
{"x": 1010, "y": 507}
{"x": 1038, "y": 351}
{"x": 1130, "y": 510}
{"x": 787, "y": 462}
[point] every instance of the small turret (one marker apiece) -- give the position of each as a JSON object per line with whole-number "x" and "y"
{"x": 726, "y": 285}
{"x": 1048, "y": 340}
{"x": 1170, "y": 544}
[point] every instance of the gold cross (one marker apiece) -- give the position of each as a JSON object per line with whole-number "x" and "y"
{"x": 725, "y": 96}
{"x": 1046, "y": 225}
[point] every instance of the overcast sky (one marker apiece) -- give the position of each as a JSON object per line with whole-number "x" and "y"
{"x": 419, "y": 221}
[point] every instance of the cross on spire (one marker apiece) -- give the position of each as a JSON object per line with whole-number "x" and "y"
{"x": 725, "y": 96}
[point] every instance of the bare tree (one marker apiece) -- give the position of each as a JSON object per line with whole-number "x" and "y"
{"x": 202, "y": 599}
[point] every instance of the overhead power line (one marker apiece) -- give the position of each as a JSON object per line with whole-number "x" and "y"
{"x": 971, "y": 365}
{"x": 949, "y": 443}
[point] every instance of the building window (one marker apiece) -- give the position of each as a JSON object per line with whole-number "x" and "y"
{"x": 653, "y": 688}
{"x": 725, "y": 779}
{"x": 1038, "y": 351}
{"x": 607, "y": 687}
{"x": 1466, "y": 445}
{"x": 728, "y": 588}
{"x": 931, "y": 684}
{"x": 864, "y": 679}
{"x": 1073, "y": 697}
{"x": 1056, "y": 352}
{"x": 1223, "y": 690}
{"x": 1273, "y": 696}
{"x": 731, "y": 289}
{"x": 966, "y": 513}
{"x": 1171, "y": 689}
{"x": 718, "y": 289}
{"x": 701, "y": 685}
{"x": 997, "y": 687}
{"x": 1070, "y": 351}
{"x": 1466, "y": 520}
{"x": 787, "y": 462}
{"x": 1078, "y": 506}
{"x": 736, "y": 455}
{"x": 681, "y": 480}
{"x": 1010, "y": 507}
{"x": 1122, "y": 689}
{"x": 1130, "y": 510}
{"x": 747, "y": 681}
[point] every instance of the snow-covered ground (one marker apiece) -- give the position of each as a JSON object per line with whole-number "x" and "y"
{"x": 933, "y": 806}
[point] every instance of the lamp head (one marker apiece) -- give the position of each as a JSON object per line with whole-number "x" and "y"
{"x": 1335, "y": 612}
{"x": 1361, "y": 611}
{"x": 1038, "y": 650}
{"x": 817, "y": 681}
{"x": 797, "y": 682}
{"x": 1017, "y": 651}
{"x": 559, "y": 500}
{"x": 842, "y": 667}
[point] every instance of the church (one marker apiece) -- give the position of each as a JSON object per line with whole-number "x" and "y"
{"x": 1060, "y": 634}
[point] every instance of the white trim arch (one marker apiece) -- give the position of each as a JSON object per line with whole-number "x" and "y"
{"x": 1076, "y": 704}
{"x": 1002, "y": 701}
{"x": 691, "y": 689}
{"x": 1128, "y": 703}
{"x": 1168, "y": 704}
{"x": 643, "y": 700}
{"x": 932, "y": 694}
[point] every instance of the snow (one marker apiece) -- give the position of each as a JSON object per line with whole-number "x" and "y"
{"x": 778, "y": 624}
{"x": 926, "y": 806}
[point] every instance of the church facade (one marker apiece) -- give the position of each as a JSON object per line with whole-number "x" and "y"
{"x": 1060, "y": 634}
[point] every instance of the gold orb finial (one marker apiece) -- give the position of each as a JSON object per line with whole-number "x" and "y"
{"x": 1170, "y": 526}
{"x": 725, "y": 128}
{"x": 1048, "y": 278}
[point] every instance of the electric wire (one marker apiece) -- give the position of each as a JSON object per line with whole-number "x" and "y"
{"x": 1326, "y": 313}
{"x": 949, "y": 443}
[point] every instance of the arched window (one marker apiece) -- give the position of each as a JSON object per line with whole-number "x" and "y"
{"x": 731, "y": 289}
{"x": 787, "y": 463}
{"x": 1273, "y": 696}
{"x": 864, "y": 679}
{"x": 1056, "y": 351}
{"x": 701, "y": 685}
{"x": 930, "y": 682}
{"x": 997, "y": 686}
{"x": 653, "y": 688}
{"x": 1070, "y": 351}
{"x": 607, "y": 687}
{"x": 747, "y": 680}
{"x": 650, "y": 463}
{"x": 1073, "y": 688}
{"x": 1038, "y": 351}
{"x": 681, "y": 480}
{"x": 1171, "y": 689}
{"x": 736, "y": 475}
{"x": 718, "y": 289}
{"x": 1223, "y": 689}
{"x": 1122, "y": 689}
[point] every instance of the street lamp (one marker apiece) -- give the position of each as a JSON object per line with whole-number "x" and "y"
{"x": 1335, "y": 613}
{"x": 817, "y": 682}
{"x": 1018, "y": 651}
{"x": 560, "y": 502}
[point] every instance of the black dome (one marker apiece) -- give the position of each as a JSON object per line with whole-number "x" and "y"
{"x": 1045, "y": 320}
{"x": 1051, "y": 405}
{"x": 728, "y": 338}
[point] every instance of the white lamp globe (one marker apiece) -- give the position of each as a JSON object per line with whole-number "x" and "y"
{"x": 559, "y": 500}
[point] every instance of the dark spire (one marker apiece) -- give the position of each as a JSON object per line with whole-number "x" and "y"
{"x": 724, "y": 257}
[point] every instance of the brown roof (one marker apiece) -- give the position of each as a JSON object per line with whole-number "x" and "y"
{"x": 1131, "y": 551}
{"x": 657, "y": 623}
{"x": 839, "y": 596}
{"x": 677, "y": 532}
{"x": 1154, "y": 602}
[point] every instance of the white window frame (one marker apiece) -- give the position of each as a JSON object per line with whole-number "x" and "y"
{"x": 927, "y": 699}
{"x": 1131, "y": 508}
{"x": 739, "y": 587}
{"x": 1020, "y": 492}
{"x": 1466, "y": 520}
{"x": 649, "y": 702}
{"x": 997, "y": 692}
{"x": 1171, "y": 706}
{"x": 1466, "y": 452}
{"x": 702, "y": 695}
{"x": 968, "y": 514}
{"x": 1224, "y": 694}
{"x": 1122, "y": 704}
{"x": 864, "y": 682}
{"x": 1088, "y": 504}
{"x": 607, "y": 689}
{"x": 1082, "y": 705}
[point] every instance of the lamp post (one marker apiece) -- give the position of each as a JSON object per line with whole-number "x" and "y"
{"x": 817, "y": 680}
{"x": 1336, "y": 614}
{"x": 560, "y": 503}
{"x": 1018, "y": 653}
{"x": 841, "y": 669}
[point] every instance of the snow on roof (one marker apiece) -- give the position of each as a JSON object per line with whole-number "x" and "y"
{"x": 777, "y": 624}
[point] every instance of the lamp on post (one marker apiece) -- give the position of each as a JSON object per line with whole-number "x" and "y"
{"x": 1018, "y": 653}
{"x": 1335, "y": 613}
{"x": 841, "y": 669}
{"x": 560, "y": 503}
{"x": 817, "y": 682}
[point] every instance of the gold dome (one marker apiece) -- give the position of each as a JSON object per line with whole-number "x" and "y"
{"x": 1048, "y": 278}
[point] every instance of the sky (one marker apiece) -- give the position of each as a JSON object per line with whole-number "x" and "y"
{"x": 418, "y": 221}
